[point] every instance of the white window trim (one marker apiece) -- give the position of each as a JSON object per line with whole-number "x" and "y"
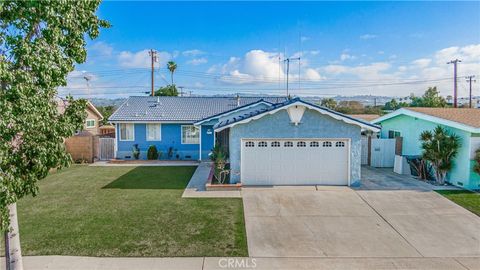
{"x": 120, "y": 132}
{"x": 160, "y": 132}
{"x": 181, "y": 134}
{"x": 86, "y": 123}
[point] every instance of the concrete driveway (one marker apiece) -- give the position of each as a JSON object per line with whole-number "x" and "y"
{"x": 341, "y": 222}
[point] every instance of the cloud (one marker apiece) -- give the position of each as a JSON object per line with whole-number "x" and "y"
{"x": 312, "y": 75}
{"x": 141, "y": 59}
{"x": 197, "y": 61}
{"x": 422, "y": 62}
{"x": 368, "y": 36}
{"x": 314, "y": 52}
{"x": 346, "y": 56}
{"x": 191, "y": 53}
{"x": 304, "y": 38}
{"x": 101, "y": 49}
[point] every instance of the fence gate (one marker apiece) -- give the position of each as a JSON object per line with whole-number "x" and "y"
{"x": 107, "y": 148}
{"x": 383, "y": 153}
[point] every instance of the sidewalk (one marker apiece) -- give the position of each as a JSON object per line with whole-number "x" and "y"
{"x": 211, "y": 263}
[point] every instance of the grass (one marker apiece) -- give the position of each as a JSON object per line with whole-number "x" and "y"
{"x": 467, "y": 199}
{"x": 128, "y": 211}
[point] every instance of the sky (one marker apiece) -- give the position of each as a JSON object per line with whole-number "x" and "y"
{"x": 345, "y": 48}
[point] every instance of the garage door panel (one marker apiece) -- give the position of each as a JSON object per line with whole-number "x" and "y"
{"x": 294, "y": 162}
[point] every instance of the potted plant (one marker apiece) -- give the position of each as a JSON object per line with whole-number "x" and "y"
{"x": 136, "y": 151}
{"x": 152, "y": 153}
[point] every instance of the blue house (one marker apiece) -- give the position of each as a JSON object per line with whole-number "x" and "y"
{"x": 269, "y": 141}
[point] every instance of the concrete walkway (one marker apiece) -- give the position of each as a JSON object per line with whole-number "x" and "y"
{"x": 196, "y": 186}
{"x": 213, "y": 263}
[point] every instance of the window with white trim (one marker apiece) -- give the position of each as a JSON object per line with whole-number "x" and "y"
{"x": 249, "y": 144}
{"x": 90, "y": 123}
{"x": 262, "y": 144}
{"x": 275, "y": 144}
{"x": 190, "y": 135}
{"x": 126, "y": 132}
{"x": 327, "y": 144}
{"x": 154, "y": 132}
{"x": 288, "y": 144}
{"x": 339, "y": 144}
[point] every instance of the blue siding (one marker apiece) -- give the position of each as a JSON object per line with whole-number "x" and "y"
{"x": 314, "y": 125}
{"x": 171, "y": 137}
{"x": 207, "y": 141}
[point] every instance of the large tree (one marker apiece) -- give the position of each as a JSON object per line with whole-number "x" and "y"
{"x": 40, "y": 42}
{"x": 172, "y": 66}
{"x": 169, "y": 90}
{"x": 431, "y": 98}
{"x": 329, "y": 103}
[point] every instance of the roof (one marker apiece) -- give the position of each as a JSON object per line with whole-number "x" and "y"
{"x": 184, "y": 109}
{"x": 462, "y": 118}
{"x": 94, "y": 110}
{"x": 62, "y": 103}
{"x": 218, "y": 115}
{"x": 365, "y": 117}
{"x": 247, "y": 117}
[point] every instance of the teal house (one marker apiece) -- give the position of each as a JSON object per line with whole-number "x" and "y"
{"x": 409, "y": 123}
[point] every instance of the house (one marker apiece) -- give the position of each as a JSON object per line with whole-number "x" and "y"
{"x": 269, "y": 141}
{"x": 409, "y": 123}
{"x": 92, "y": 122}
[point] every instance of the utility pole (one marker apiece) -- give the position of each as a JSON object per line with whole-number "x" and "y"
{"x": 470, "y": 80}
{"x": 455, "y": 62}
{"x": 288, "y": 68}
{"x": 181, "y": 90}
{"x": 153, "y": 57}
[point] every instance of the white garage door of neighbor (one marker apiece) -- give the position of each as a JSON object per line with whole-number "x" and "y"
{"x": 295, "y": 161}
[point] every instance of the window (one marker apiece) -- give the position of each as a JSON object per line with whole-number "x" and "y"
{"x": 154, "y": 132}
{"x": 301, "y": 144}
{"x": 249, "y": 144}
{"x": 90, "y": 123}
{"x": 339, "y": 144}
{"x": 288, "y": 144}
{"x": 126, "y": 132}
{"x": 262, "y": 144}
{"x": 314, "y": 144}
{"x": 275, "y": 144}
{"x": 190, "y": 135}
{"x": 392, "y": 134}
{"x": 327, "y": 144}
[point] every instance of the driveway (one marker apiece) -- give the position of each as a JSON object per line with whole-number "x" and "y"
{"x": 342, "y": 222}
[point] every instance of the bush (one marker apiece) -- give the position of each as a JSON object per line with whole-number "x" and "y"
{"x": 136, "y": 151}
{"x": 152, "y": 153}
{"x": 476, "y": 167}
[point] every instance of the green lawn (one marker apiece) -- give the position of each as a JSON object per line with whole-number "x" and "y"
{"x": 128, "y": 211}
{"x": 467, "y": 199}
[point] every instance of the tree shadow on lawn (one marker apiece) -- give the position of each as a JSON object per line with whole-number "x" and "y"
{"x": 154, "y": 178}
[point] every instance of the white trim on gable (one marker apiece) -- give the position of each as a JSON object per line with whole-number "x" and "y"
{"x": 322, "y": 111}
{"x": 427, "y": 117}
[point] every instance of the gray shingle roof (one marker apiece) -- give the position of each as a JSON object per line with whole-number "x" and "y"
{"x": 180, "y": 108}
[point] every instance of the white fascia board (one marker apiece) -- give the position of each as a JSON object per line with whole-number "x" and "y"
{"x": 429, "y": 118}
{"x": 333, "y": 115}
{"x": 150, "y": 122}
{"x": 230, "y": 112}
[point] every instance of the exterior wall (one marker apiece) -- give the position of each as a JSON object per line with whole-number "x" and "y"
{"x": 207, "y": 141}
{"x": 171, "y": 136}
{"x": 313, "y": 125}
{"x": 91, "y": 115}
{"x": 410, "y": 129}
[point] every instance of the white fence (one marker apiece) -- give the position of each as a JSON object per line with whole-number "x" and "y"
{"x": 382, "y": 152}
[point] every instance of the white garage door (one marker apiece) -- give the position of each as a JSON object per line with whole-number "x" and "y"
{"x": 295, "y": 162}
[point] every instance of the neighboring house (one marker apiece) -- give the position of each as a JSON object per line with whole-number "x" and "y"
{"x": 92, "y": 122}
{"x": 409, "y": 123}
{"x": 270, "y": 141}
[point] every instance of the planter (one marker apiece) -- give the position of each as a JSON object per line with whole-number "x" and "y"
{"x": 219, "y": 187}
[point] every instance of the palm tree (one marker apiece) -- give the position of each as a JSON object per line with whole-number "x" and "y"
{"x": 440, "y": 148}
{"x": 172, "y": 66}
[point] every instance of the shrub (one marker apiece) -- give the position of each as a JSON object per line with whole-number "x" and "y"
{"x": 152, "y": 153}
{"x": 476, "y": 167}
{"x": 136, "y": 151}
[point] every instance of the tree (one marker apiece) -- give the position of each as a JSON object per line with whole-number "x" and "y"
{"x": 394, "y": 105}
{"x": 169, "y": 90}
{"x": 172, "y": 66}
{"x": 106, "y": 111}
{"x": 40, "y": 41}
{"x": 440, "y": 148}
{"x": 476, "y": 158}
{"x": 350, "y": 107}
{"x": 431, "y": 98}
{"x": 329, "y": 103}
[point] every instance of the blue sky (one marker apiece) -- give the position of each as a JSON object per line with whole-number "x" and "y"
{"x": 346, "y": 48}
